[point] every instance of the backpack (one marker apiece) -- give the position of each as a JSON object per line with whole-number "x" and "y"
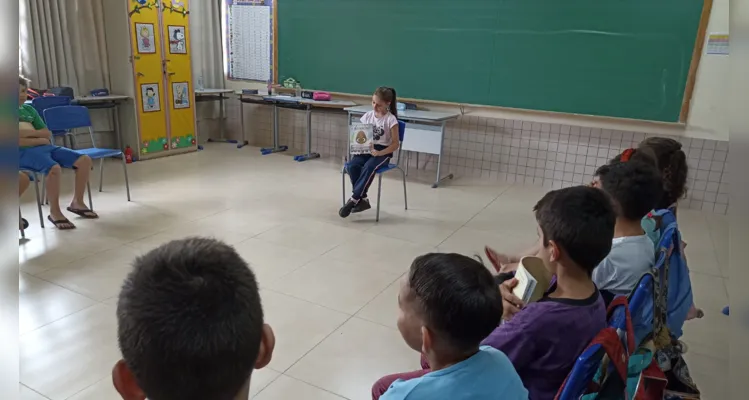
{"x": 673, "y": 289}
{"x": 621, "y": 372}
{"x": 663, "y": 320}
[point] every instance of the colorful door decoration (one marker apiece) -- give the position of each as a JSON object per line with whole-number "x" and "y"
{"x": 160, "y": 45}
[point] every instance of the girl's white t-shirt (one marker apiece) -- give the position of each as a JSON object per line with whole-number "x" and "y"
{"x": 382, "y": 127}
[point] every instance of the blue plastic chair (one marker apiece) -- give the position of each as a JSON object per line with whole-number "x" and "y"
{"x": 382, "y": 170}
{"x": 582, "y": 373}
{"x": 588, "y": 363}
{"x": 68, "y": 118}
{"x": 41, "y": 104}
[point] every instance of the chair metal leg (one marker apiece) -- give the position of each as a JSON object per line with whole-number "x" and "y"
{"x": 45, "y": 199}
{"x": 343, "y": 186}
{"x": 127, "y": 182}
{"x": 408, "y": 161}
{"x": 405, "y": 193}
{"x": 90, "y": 200}
{"x": 38, "y": 200}
{"x": 379, "y": 192}
{"x": 101, "y": 174}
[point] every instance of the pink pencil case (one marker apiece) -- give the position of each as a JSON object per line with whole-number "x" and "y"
{"x": 321, "y": 96}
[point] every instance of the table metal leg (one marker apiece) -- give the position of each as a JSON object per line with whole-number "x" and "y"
{"x": 310, "y": 154}
{"x": 222, "y": 139}
{"x": 439, "y": 159}
{"x": 244, "y": 141}
{"x": 117, "y": 130}
{"x": 277, "y": 148}
{"x": 221, "y": 115}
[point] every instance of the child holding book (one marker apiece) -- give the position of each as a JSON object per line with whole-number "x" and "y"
{"x": 448, "y": 304}
{"x": 386, "y": 140}
{"x": 544, "y": 338}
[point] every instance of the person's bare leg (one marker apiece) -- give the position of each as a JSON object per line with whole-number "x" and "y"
{"x": 82, "y": 172}
{"x": 23, "y": 183}
{"x": 54, "y": 177}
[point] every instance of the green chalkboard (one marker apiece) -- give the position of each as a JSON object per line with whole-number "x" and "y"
{"x": 619, "y": 58}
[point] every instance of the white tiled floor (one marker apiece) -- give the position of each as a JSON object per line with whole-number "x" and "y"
{"x": 328, "y": 285}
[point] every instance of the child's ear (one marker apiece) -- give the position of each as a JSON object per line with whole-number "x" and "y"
{"x": 427, "y": 342}
{"x": 125, "y": 382}
{"x": 267, "y": 344}
{"x": 555, "y": 252}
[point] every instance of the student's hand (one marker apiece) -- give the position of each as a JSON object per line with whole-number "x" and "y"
{"x": 373, "y": 151}
{"x": 511, "y": 304}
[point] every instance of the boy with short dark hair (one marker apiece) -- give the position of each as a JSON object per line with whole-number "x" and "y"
{"x": 448, "y": 303}
{"x": 543, "y": 340}
{"x": 190, "y": 325}
{"x": 634, "y": 187}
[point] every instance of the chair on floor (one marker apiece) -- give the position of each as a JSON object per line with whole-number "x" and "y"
{"x": 382, "y": 170}
{"x": 41, "y": 104}
{"x": 67, "y": 119}
{"x": 34, "y": 176}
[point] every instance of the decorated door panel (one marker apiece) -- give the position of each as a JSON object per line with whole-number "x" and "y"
{"x": 175, "y": 26}
{"x": 151, "y": 102}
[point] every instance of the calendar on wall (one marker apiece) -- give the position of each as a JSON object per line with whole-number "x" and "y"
{"x": 250, "y": 32}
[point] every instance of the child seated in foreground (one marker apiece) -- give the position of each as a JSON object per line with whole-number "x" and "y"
{"x": 190, "y": 325}
{"x": 448, "y": 303}
{"x": 543, "y": 339}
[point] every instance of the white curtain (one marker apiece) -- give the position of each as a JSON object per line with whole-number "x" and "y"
{"x": 206, "y": 43}
{"x": 62, "y": 43}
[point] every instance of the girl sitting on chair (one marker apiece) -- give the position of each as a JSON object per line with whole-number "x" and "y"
{"x": 363, "y": 167}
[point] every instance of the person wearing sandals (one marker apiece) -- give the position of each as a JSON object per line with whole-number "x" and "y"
{"x": 38, "y": 154}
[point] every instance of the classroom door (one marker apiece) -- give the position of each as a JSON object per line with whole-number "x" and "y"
{"x": 178, "y": 71}
{"x": 145, "y": 40}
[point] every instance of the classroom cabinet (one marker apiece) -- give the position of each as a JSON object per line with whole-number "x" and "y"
{"x": 148, "y": 43}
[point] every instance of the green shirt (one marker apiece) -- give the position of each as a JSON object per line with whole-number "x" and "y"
{"x": 27, "y": 113}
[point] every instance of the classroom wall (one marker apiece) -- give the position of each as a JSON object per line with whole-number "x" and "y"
{"x": 707, "y": 117}
{"x": 529, "y": 147}
{"x": 497, "y": 149}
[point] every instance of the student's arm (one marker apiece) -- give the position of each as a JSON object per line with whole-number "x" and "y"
{"x": 33, "y": 133}
{"x": 32, "y": 141}
{"x": 516, "y": 339}
{"x": 394, "y": 142}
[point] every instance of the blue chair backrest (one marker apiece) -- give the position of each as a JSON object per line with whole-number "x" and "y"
{"x": 43, "y": 103}
{"x": 582, "y": 373}
{"x": 401, "y": 130}
{"x": 67, "y": 118}
{"x": 401, "y": 135}
{"x": 676, "y": 281}
{"x": 641, "y": 307}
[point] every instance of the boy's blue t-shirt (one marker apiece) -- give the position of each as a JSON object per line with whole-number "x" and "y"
{"x": 488, "y": 374}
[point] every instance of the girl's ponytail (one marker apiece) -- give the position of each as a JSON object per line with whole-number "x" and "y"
{"x": 394, "y": 104}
